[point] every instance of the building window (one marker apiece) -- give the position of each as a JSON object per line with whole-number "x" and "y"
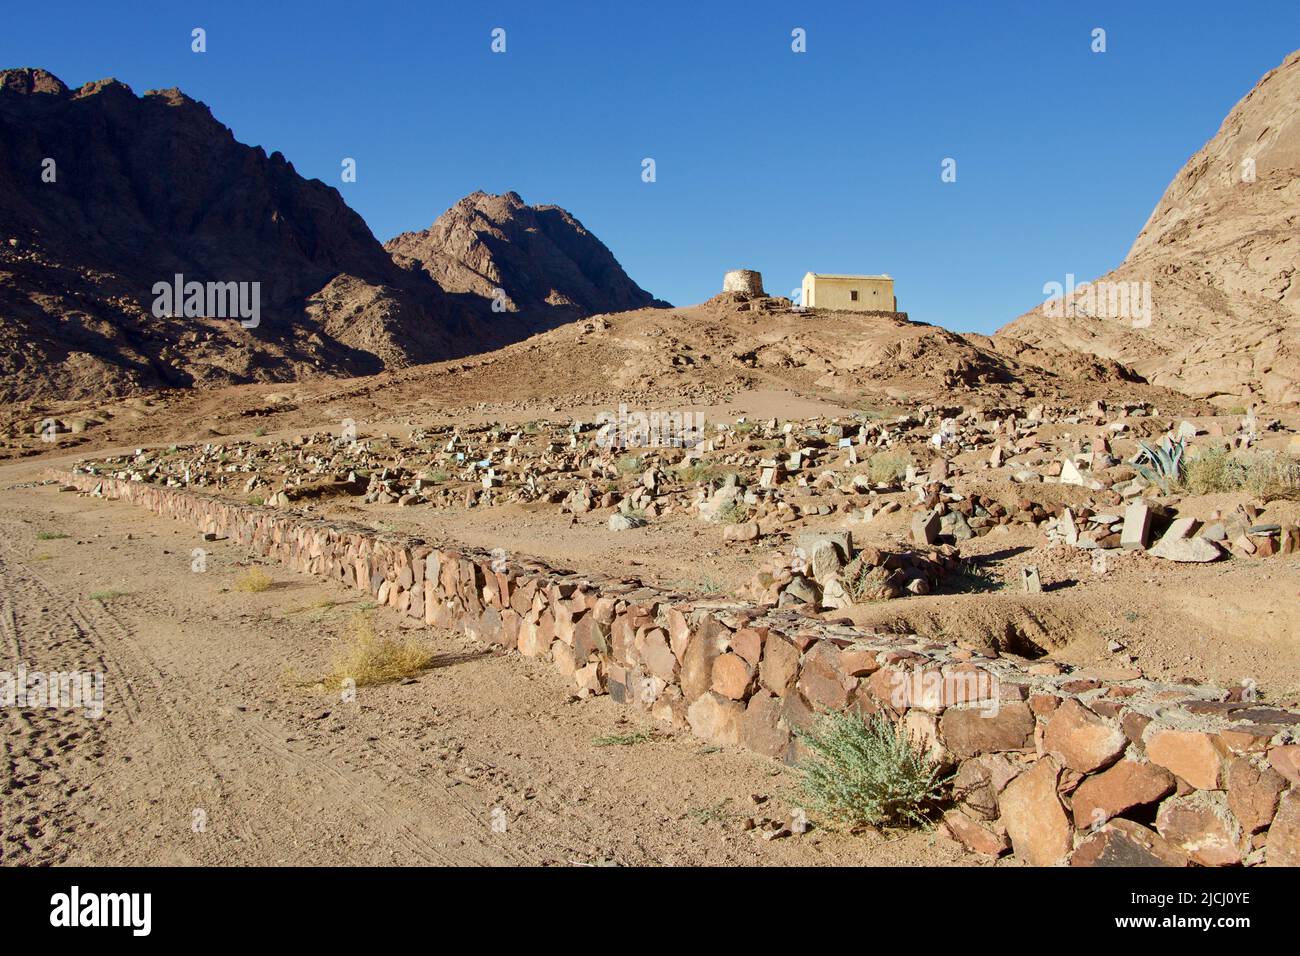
{"x": 853, "y": 295}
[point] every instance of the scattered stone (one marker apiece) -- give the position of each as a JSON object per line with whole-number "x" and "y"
{"x": 1188, "y": 550}
{"x": 976, "y": 835}
{"x": 1137, "y": 526}
{"x": 925, "y": 528}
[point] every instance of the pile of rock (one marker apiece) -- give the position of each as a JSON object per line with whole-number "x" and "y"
{"x": 826, "y": 573}
{"x": 1150, "y": 526}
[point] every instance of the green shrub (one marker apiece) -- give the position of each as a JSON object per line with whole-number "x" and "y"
{"x": 867, "y": 772}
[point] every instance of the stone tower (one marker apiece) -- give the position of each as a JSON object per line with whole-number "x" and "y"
{"x": 743, "y": 280}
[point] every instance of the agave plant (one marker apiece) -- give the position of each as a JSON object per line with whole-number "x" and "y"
{"x": 1161, "y": 464}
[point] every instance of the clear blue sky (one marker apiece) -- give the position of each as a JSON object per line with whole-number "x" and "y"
{"x": 827, "y": 160}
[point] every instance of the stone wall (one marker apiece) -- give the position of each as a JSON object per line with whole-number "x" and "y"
{"x": 1086, "y": 767}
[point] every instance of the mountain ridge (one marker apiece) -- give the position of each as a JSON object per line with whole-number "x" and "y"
{"x": 104, "y": 194}
{"x": 1218, "y": 255}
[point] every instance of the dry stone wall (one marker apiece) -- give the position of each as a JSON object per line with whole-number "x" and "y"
{"x": 1098, "y": 767}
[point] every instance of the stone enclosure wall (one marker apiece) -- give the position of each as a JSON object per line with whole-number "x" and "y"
{"x": 1086, "y": 767}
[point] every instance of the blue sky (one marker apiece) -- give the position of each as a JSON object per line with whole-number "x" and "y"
{"x": 827, "y": 160}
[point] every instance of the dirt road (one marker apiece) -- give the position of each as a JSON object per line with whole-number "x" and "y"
{"x": 210, "y": 750}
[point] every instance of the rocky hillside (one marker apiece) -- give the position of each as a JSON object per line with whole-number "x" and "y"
{"x": 104, "y": 193}
{"x": 549, "y": 266}
{"x": 1220, "y": 252}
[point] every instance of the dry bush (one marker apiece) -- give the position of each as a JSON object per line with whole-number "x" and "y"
{"x": 370, "y": 658}
{"x": 864, "y": 582}
{"x": 1265, "y": 475}
{"x": 735, "y": 512}
{"x": 886, "y": 467}
{"x": 254, "y": 581}
{"x": 699, "y": 471}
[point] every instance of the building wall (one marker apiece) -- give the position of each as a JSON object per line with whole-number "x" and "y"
{"x": 828, "y": 292}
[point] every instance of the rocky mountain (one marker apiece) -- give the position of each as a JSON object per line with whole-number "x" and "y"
{"x": 1220, "y": 252}
{"x": 550, "y": 268}
{"x": 104, "y": 194}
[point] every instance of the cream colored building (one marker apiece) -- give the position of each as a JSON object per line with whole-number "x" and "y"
{"x": 853, "y": 293}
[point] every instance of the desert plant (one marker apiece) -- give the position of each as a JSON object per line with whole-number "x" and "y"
{"x": 971, "y": 577}
{"x": 50, "y": 535}
{"x": 253, "y": 581}
{"x": 886, "y": 467}
{"x": 1161, "y": 464}
{"x": 876, "y": 412}
{"x": 624, "y": 740}
{"x": 865, "y": 582}
{"x": 733, "y": 513}
{"x": 103, "y": 596}
{"x": 1270, "y": 475}
{"x": 718, "y": 813}
{"x": 867, "y": 772}
{"x": 316, "y": 610}
{"x": 1265, "y": 475}
{"x": 369, "y": 658}
{"x": 701, "y": 472}
{"x": 1210, "y": 472}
